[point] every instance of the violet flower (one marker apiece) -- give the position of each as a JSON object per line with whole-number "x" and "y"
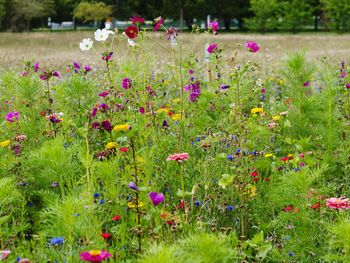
{"x": 156, "y": 198}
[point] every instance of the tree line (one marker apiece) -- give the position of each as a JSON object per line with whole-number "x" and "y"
{"x": 256, "y": 15}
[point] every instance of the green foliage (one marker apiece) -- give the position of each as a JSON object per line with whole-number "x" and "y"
{"x": 338, "y": 12}
{"x": 92, "y": 11}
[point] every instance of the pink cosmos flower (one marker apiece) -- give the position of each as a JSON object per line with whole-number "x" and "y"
{"x": 159, "y": 22}
{"x": 137, "y": 20}
{"x": 4, "y": 254}
{"x": 12, "y": 116}
{"x": 156, "y": 198}
{"x": 214, "y": 26}
{"x": 338, "y": 203}
{"x": 179, "y": 157}
{"x": 94, "y": 255}
{"x": 212, "y": 48}
{"x": 252, "y": 46}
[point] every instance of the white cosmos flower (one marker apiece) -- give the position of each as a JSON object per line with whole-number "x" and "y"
{"x": 131, "y": 42}
{"x": 101, "y": 35}
{"x": 86, "y": 44}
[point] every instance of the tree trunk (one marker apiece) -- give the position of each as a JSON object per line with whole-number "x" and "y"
{"x": 316, "y": 22}
{"x": 189, "y": 22}
{"x": 240, "y": 23}
{"x": 227, "y": 22}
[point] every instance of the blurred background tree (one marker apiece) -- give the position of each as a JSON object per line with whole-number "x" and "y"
{"x": 88, "y": 12}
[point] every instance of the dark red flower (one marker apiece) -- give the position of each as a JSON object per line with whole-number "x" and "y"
{"x": 181, "y": 205}
{"x": 288, "y": 208}
{"x": 106, "y": 235}
{"x": 254, "y": 174}
{"x": 116, "y": 218}
{"x": 131, "y": 31}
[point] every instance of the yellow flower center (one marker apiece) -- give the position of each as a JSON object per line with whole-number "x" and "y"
{"x": 95, "y": 253}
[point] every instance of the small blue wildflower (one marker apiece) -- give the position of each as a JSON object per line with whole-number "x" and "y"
{"x": 198, "y": 139}
{"x": 297, "y": 169}
{"x": 228, "y": 145}
{"x": 56, "y": 241}
{"x": 197, "y": 203}
{"x": 291, "y": 254}
{"x": 30, "y": 204}
{"x": 229, "y": 208}
{"x": 102, "y": 201}
{"x": 96, "y": 195}
{"x": 238, "y": 150}
{"x": 229, "y": 157}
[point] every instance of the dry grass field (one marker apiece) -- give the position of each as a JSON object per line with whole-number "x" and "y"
{"x": 60, "y": 48}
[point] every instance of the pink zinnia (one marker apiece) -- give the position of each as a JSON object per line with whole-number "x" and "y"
{"x": 338, "y": 203}
{"x": 179, "y": 157}
{"x": 94, "y": 255}
{"x": 159, "y": 22}
{"x": 212, "y": 48}
{"x": 252, "y": 46}
{"x": 214, "y": 26}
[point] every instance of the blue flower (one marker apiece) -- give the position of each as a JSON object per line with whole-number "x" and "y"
{"x": 56, "y": 241}
{"x": 228, "y": 145}
{"x": 198, "y": 139}
{"x": 229, "y": 157}
{"x": 96, "y": 195}
{"x": 102, "y": 201}
{"x": 229, "y": 208}
{"x": 291, "y": 254}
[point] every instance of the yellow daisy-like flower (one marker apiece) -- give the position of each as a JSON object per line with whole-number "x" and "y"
{"x": 111, "y": 145}
{"x": 290, "y": 156}
{"x": 276, "y": 117}
{"x": 165, "y": 110}
{"x": 257, "y": 110}
{"x": 5, "y": 143}
{"x": 280, "y": 82}
{"x": 176, "y": 117}
{"x": 133, "y": 205}
{"x": 268, "y": 155}
{"x": 121, "y": 127}
{"x": 251, "y": 190}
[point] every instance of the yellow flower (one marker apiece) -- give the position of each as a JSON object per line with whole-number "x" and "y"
{"x": 268, "y": 155}
{"x": 290, "y": 156}
{"x": 176, "y": 100}
{"x": 251, "y": 190}
{"x": 121, "y": 127}
{"x": 256, "y": 110}
{"x": 132, "y": 205}
{"x": 165, "y": 110}
{"x": 280, "y": 82}
{"x": 276, "y": 117}
{"x": 111, "y": 145}
{"x": 5, "y": 143}
{"x": 176, "y": 117}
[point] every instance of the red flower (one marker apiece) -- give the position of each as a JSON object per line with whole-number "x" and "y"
{"x": 170, "y": 222}
{"x": 284, "y": 159}
{"x": 137, "y": 20}
{"x": 288, "y": 208}
{"x": 131, "y": 31}
{"x": 116, "y": 218}
{"x": 254, "y": 174}
{"x": 267, "y": 179}
{"x": 105, "y": 235}
{"x": 316, "y": 206}
{"x": 181, "y": 205}
{"x": 255, "y": 179}
{"x": 164, "y": 215}
{"x": 124, "y": 149}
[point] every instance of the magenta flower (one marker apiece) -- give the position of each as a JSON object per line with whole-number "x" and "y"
{"x": 94, "y": 255}
{"x": 126, "y": 83}
{"x": 156, "y": 198}
{"x": 179, "y": 157}
{"x": 195, "y": 90}
{"x": 347, "y": 85}
{"x": 87, "y": 68}
{"x": 107, "y": 56}
{"x": 12, "y": 116}
{"x": 142, "y": 110}
{"x": 212, "y": 48}
{"x": 252, "y": 46}
{"x": 306, "y": 84}
{"x": 103, "y": 94}
{"x": 46, "y": 75}
{"x": 342, "y": 73}
{"x": 159, "y": 22}
{"x": 137, "y": 20}
{"x": 214, "y": 26}
{"x": 76, "y": 65}
{"x": 338, "y": 203}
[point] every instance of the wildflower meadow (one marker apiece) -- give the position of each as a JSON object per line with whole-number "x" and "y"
{"x": 212, "y": 158}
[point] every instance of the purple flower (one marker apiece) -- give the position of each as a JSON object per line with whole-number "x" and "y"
{"x": 12, "y": 116}
{"x": 194, "y": 88}
{"x": 94, "y": 112}
{"x": 342, "y": 73}
{"x": 126, "y": 83}
{"x": 191, "y": 71}
{"x": 133, "y": 186}
{"x": 95, "y": 125}
{"x": 36, "y": 67}
{"x": 107, "y": 56}
{"x": 223, "y": 86}
{"x": 347, "y": 85}
{"x": 142, "y": 110}
{"x": 306, "y": 84}
{"x": 263, "y": 90}
{"x": 214, "y": 26}
{"x": 156, "y": 198}
{"x": 106, "y": 125}
{"x": 103, "y": 107}
{"x": 103, "y": 94}
{"x": 212, "y": 48}
{"x": 76, "y": 65}
{"x": 252, "y": 46}
{"x": 56, "y": 74}
{"x": 87, "y": 68}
